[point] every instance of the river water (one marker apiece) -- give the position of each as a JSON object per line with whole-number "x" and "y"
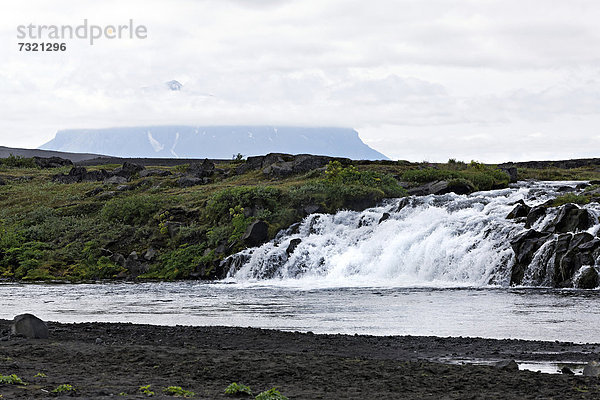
{"x": 528, "y": 313}
{"x": 438, "y": 265}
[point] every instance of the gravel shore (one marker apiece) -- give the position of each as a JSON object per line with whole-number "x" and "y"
{"x": 103, "y": 360}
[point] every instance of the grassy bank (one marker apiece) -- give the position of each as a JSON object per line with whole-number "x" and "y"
{"x": 85, "y": 231}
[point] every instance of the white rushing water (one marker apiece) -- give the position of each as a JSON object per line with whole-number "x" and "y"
{"x": 432, "y": 241}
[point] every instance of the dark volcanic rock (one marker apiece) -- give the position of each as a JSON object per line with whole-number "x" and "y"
{"x": 128, "y": 170}
{"x": 535, "y": 215}
{"x": 187, "y": 181}
{"x": 29, "y": 326}
{"x": 442, "y": 187}
{"x": 524, "y": 246}
{"x": 80, "y": 174}
{"x": 201, "y": 170}
{"x": 51, "y": 162}
{"x": 571, "y": 218}
{"x": 588, "y": 278}
{"x": 256, "y": 233}
{"x": 521, "y": 210}
{"x": 384, "y": 217}
{"x": 292, "y": 246}
{"x": 511, "y": 172}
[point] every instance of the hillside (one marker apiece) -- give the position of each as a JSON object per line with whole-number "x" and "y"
{"x": 126, "y": 221}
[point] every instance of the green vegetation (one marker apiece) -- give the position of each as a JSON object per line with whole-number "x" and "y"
{"x": 64, "y": 388}
{"x": 238, "y": 389}
{"x": 40, "y": 375}
{"x": 570, "y": 198}
{"x": 85, "y": 231}
{"x": 12, "y": 379}
{"x": 17, "y": 162}
{"x": 474, "y": 174}
{"x": 177, "y": 391}
{"x": 145, "y": 390}
{"x": 271, "y": 394}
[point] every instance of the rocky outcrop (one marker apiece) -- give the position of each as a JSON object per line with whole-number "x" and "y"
{"x": 201, "y": 170}
{"x": 51, "y": 162}
{"x": 81, "y": 174}
{"x": 279, "y": 165}
{"x": 442, "y": 187}
{"x": 118, "y": 176}
{"x": 571, "y": 218}
{"x": 128, "y": 170}
{"x": 567, "y": 248}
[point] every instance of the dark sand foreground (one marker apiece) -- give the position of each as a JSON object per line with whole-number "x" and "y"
{"x": 303, "y": 366}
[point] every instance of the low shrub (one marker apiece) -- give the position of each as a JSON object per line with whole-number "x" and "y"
{"x": 12, "y": 379}
{"x": 135, "y": 209}
{"x": 271, "y": 394}
{"x": 238, "y": 389}
{"x": 178, "y": 391}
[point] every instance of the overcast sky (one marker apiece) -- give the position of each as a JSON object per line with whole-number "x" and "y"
{"x": 420, "y": 80}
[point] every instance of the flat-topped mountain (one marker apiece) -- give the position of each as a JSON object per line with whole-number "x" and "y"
{"x": 213, "y": 141}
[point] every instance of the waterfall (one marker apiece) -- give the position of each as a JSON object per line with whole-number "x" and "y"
{"x": 443, "y": 240}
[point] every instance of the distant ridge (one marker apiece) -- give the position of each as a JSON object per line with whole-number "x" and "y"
{"x": 180, "y": 141}
{"x": 28, "y": 153}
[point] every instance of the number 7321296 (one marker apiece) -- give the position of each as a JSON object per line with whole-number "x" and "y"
{"x": 42, "y": 46}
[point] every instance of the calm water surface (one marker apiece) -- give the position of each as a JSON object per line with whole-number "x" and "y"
{"x": 543, "y": 314}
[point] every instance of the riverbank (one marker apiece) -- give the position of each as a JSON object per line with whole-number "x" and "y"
{"x": 102, "y": 360}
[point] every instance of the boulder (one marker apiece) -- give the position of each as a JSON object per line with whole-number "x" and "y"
{"x": 187, "y": 181}
{"x": 312, "y": 209}
{"x": 566, "y": 371}
{"x": 128, "y": 170}
{"x": 442, "y": 187}
{"x": 51, "y": 162}
{"x": 534, "y": 215}
{"x": 256, "y": 233}
{"x": 201, "y": 170}
{"x": 592, "y": 369}
{"x": 507, "y": 365}
{"x": 80, "y": 174}
{"x": 571, "y": 218}
{"x": 460, "y": 186}
{"x": 587, "y": 278}
{"x": 149, "y": 254}
{"x": 511, "y": 172}
{"x": 29, "y": 326}
{"x": 521, "y": 210}
{"x": 118, "y": 259}
{"x": 134, "y": 265}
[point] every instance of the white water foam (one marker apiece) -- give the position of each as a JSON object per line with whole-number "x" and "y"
{"x": 433, "y": 241}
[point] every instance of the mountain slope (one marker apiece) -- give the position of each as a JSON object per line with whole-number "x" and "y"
{"x": 213, "y": 141}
